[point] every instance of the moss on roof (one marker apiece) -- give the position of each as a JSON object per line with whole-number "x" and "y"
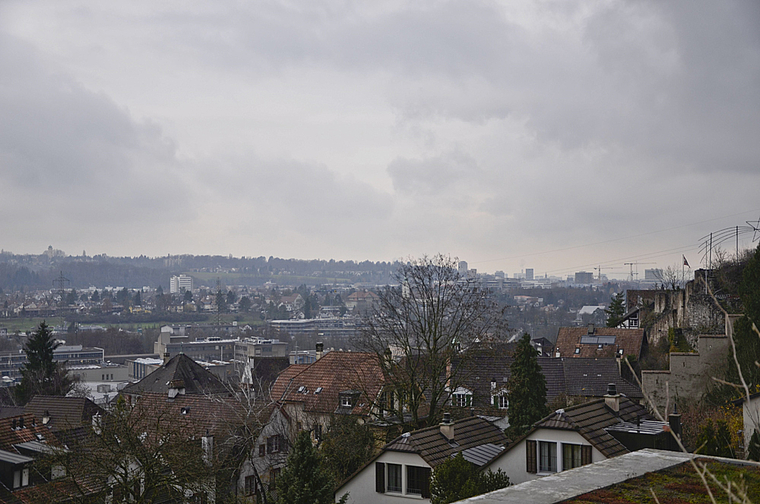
{"x": 679, "y": 484}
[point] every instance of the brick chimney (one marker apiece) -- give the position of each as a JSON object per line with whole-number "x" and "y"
{"x": 612, "y": 398}
{"x": 447, "y": 427}
{"x": 320, "y": 349}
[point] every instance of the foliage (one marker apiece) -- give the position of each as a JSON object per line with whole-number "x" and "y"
{"x": 347, "y": 445}
{"x": 695, "y": 415}
{"x": 420, "y": 327}
{"x": 456, "y": 479}
{"x": 304, "y": 480}
{"x": 526, "y": 389}
{"x": 141, "y": 456}
{"x": 715, "y": 439}
{"x": 41, "y": 375}
{"x": 616, "y": 311}
{"x": 677, "y": 340}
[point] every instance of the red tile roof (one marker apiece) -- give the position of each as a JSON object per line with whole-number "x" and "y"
{"x": 631, "y": 341}
{"x": 318, "y": 385}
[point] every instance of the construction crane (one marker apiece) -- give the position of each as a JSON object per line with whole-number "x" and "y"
{"x": 636, "y": 266}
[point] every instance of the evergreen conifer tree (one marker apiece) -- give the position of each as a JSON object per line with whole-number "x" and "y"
{"x": 616, "y": 311}
{"x": 304, "y": 480}
{"x": 526, "y": 389}
{"x": 41, "y": 374}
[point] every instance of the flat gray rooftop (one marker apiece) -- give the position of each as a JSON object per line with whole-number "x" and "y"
{"x": 575, "y": 482}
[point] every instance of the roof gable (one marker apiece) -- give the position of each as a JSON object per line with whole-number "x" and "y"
{"x": 181, "y": 372}
{"x": 435, "y": 448}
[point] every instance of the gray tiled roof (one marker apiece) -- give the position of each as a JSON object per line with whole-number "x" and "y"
{"x": 434, "y": 447}
{"x": 180, "y": 371}
{"x": 592, "y": 418}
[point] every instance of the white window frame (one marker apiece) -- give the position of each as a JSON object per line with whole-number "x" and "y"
{"x": 461, "y": 397}
{"x": 541, "y": 468}
{"x": 500, "y": 400}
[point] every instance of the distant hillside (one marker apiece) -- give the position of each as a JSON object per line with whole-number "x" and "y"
{"x": 23, "y": 272}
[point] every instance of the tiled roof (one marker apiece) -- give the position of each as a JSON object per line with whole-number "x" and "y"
{"x": 591, "y": 419}
{"x": 631, "y": 341}
{"x": 318, "y": 385}
{"x": 64, "y": 412}
{"x": 194, "y": 414}
{"x": 12, "y": 432}
{"x": 435, "y": 448}
{"x": 573, "y": 377}
{"x": 181, "y": 370}
{"x": 590, "y": 377}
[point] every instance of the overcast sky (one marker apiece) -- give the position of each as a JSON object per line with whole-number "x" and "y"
{"x": 556, "y": 135}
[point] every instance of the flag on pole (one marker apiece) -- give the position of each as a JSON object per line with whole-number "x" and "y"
{"x": 685, "y": 262}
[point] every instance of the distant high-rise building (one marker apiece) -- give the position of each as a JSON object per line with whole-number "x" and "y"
{"x": 653, "y": 275}
{"x": 463, "y": 268}
{"x": 499, "y": 274}
{"x": 179, "y": 283}
{"x": 529, "y": 273}
{"x": 584, "y": 277}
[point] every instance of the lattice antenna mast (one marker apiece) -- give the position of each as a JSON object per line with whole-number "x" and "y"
{"x": 60, "y": 282}
{"x": 218, "y": 304}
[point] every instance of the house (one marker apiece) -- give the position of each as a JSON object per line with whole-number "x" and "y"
{"x": 343, "y": 383}
{"x": 631, "y": 477}
{"x": 600, "y": 342}
{"x": 270, "y": 454}
{"x": 584, "y": 434}
{"x": 66, "y": 417}
{"x": 568, "y": 380}
{"x": 362, "y": 302}
{"x": 180, "y": 375}
{"x": 402, "y": 469}
{"x": 750, "y": 415}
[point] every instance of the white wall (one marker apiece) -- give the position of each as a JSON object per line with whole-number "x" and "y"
{"x": 751, "y": 411}
{"x": 361, "y": 488}
{"x": 514, "y": 463}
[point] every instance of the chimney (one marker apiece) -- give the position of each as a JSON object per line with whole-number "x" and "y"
{"x": 612, "y": 398}
{"x": 591, "y": 329}
{"x": 166, "y": 357}
{"x": 674, "y": 420}
{"x": 320, "y": 349}
{"x": 447, "y": 427}
{"x": 46, "y": 417}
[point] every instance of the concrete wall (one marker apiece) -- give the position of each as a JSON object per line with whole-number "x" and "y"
{"x": 689, "y": 375}
{"x": 514, "y": 463}
{"x": 361, "y": 488}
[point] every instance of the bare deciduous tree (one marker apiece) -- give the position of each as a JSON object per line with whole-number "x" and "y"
{"x": 431, "y": 318}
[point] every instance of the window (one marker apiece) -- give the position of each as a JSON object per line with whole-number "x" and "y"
{"x": 418, "y": 481}
{"x": 250, "y": 485}
{"x": 273, "y": 475}
{"x": 318, "y": 431}
{"x": 345, "y": 401}
{"x": 262, "y": 450}
{"x": 462, "y": 398}
{"x": 577, "y": 350}
{"x": 500, "y": 401}
{"x": 571, "y": 456}
{"x": 547, "y": 456}
{"x": 273, "y": 444}
{"x": 394, "y": 478}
